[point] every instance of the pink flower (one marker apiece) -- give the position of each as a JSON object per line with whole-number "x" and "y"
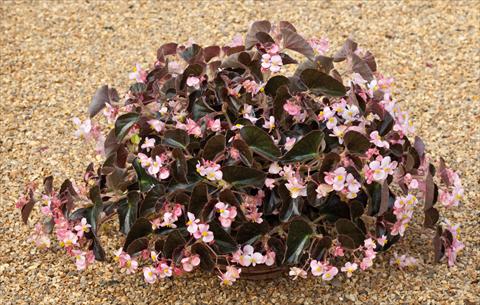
{"x": 329, "y": 273}
{"x": 323, "y": 190}
{"x": 289, "y": 142}
{"x": 274, "y": 168}
{"x": 193, "y": 128}
{"x": 169, "y": 220}
{"x": 227, "y": 213}
{"x": 270, "y": 124}
{"x": 339, "y": 132}
{"x": 296, "y": 187}
{"x": 164, "y": 270}
{"x": 366, "y": 263}
{"x": 203, "y": 233}
{"x": 338, "y": 251}
{"x": 251, "y": 86}
{"x": 110, "y": 112}
{"x": 380, "y": 169}
{"x": 349, "y": 268}
{"x": 214, "y": 125}
{"x": 138, "y": 74}
{"x": 297, "y": 272}
{"x": 326, "y": 114}
{"x": 269, "y": 258}
{"x": 403, "y": 261}
{"x": 382, "y": 240}
{"x": 291, "y": 108}
{"x": 148, "y": 144}
{"x": 193, "y": 81}
{"x": 353, "y": 186}
{"x": 273, "y": 63}
{"x": 69, "y": 240}
{"x": 130, "y": 264}
{"x": 230, "y": 276}
{"x": 156, "y": 125}
{"x": 150, "y": 274}
{"x": 270, "y": 183}
{"x": 156, "y": 223}
{"x": 350, "y": 113}
{"x": 376, "y": 139}
{"x": 192, "y": 223}
{"x": 82, "y": 227}
{"x": 188, "y": 263}
{"x": 84, "y": 129}
{"x": 175, "y": 68}
{"x": 210, "y": 170}
{"x": 320, "y": 46}
{"x": 155, "y": 166}
{"x": 336, "y": 178}
{"x": 317, "y": 268}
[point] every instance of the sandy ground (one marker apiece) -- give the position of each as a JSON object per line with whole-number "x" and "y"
{"x": 54, "y": 54}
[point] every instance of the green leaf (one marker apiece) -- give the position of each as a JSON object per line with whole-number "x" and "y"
{"x": 176, "y": 138}
{"x": 246, "y": 155}
{"x": 207, "y": 256}
{"x": 94, "y": 213}
{"x": 356, "y": 142}
{"x": 173, "y": 241}
{"x": 241, "y": 176}
{"x": 225, "y": 242}
{"x": 295, "y": 42}
{"x": 260, "y": 142}
{"x": 322, "y": 84}
{"x": 199, "y": 199}
{"x": 145, "y": 181}
{"x": 142, "y": 227}
{"x": 128, "y": 211}
{"x": 274, "y": 83}
{"x": 124, "y": 123}
{"x": 214, "y": 146}
{"x": 306, "y": 149}
{"x": 299, "y": 233}
{"x": 179, "y": 167}
{"x": 137, "y": 245}
{"x": 250, "y": 232}
{"x": 348, "y": 228}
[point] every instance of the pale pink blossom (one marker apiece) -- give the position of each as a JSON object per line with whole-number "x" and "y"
{"x": 230, "y": 276}
{"x": 319, "y": 45}
{"x": 329, "y": 273}
{"x": 69, "y": 240}
{"x": 296, "y": 272}
{"x": 164, "y": 270}
{"x": 289, "y": 142}
{"x": 150, "y": 274}
{"x": 317, "y": 268}
{"x": 339, "y": 132}
{"x": 350, "y": 113}
{"x": 148, "y": 144}
{"x": 251, "y": 86}
{"x": 193, "y": 81}
{"x": 84, "y": 128}
{"x": 269, "y": 258}
{"x": 382, "y": 241}
{"x": 192, "y": 223}
{"x": 376, "y": 139}
{"x": 349, "y": 268}
{"x": 296, "y": 187}
{"x": 203, "y": 233}
{"x": 270, "y": 183}
{"x": 214, "y": 125}
{"x": 82, "y": 227}
{"x": 138, "y": 74}
{"x": 323, "y": 190}
{"x": 188, "y": 263}
{"x": 210, "y": 170}
{"x": 292, "y": 108}
{"x": 175, "y": 68}
{"x": 336, "y": 178}
{"x": 273, "y": 63}
{"x": 227, "y": 213}
{"x": 130, "y": 265}
{"x": 274, "y": 168}
{"x": 156, "y": 125}
{"x": 270, "y": 123}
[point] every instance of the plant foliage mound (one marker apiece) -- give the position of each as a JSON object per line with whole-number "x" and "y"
{"x": 264, "y": 156}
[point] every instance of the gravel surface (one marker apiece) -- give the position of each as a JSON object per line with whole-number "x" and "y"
{"x": 54, "y": 54}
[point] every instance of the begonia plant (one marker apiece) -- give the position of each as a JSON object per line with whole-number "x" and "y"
{"x": 261, "y": 157}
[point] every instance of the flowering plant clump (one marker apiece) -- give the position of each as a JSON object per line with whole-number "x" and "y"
{"x": 244, "y": 161}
